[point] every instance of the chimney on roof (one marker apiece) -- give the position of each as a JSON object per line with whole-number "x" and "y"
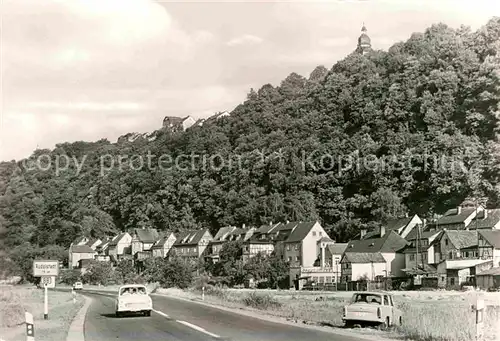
{"x": 363, "y": 233}
{"x": 485, "y": 213}
{"x": 382, "y": 231}
{"x": 270, "y": 223}
{"x": 459, "y": 210}
{"x": 288, "y": 221}
{"x": 243, "y": 227}
{"x": 406, "y": 215}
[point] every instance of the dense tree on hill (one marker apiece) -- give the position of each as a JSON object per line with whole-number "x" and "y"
{"x": 414, "y": 129}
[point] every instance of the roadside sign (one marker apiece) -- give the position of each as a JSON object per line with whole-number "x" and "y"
{"x": 45, "y": 268}
{"x": 49, "y": 281}
{"x": 48, "y": 270}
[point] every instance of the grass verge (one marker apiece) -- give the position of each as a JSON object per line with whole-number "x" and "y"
{"x": 440, "y": 316}
{"x": 15, "y": 300}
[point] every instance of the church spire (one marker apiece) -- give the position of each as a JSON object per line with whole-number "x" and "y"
{"x": 364, "y": 42}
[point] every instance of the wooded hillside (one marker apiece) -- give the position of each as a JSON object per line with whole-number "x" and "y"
{"x": 431, "y": 102}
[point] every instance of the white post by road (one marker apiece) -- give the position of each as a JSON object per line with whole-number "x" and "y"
{"x": 73, "y": 292}
{"x": 30, "y": 328}
{"x": 479, "y": 312}
{"x": 45, "y": 303}
{"x": 202, "y": 293}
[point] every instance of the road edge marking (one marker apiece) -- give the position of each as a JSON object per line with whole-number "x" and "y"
{"x": 198, "y": 328}
{"x": 338, "y": 331}
{"x": 76, "y": 331}
{"x": 161, "y": 313}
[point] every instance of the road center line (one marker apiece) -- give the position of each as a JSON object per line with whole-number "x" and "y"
{"x": 161, "y": 313}
{"x": 198, "y": 328}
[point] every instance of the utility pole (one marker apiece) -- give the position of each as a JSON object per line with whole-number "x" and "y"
{"x": 476, "y": 219}
{"x": 422, "y": 253}
{"x": 416, "y": 246}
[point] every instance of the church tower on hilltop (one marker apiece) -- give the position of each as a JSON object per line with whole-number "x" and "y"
{"x": 364, "y": 42}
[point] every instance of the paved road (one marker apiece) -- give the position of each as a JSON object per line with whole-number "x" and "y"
{"x": 174, "y": 320}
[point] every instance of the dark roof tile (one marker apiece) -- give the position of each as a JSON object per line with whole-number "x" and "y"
{"x": 363, "y": 257}
{"x": 190, "y": 238}
{"x": 300, "y": 231}
{"x": 396, "y": 224}
{"x": 390, "y": 242}
{"x": 81, "y": 249}
{"x": 326, "y": 239}
{"x": 462, "y": 239}
{"x": 337, "y": 248}
{"x": 491, "y": 236}
{"x": 490, "y": 272}
{"x": 422, "y": 234}
{"x": 486, "y": 222}
{"x": 162, "y": 241}
{"x": 116, "y": 239}
{"x": 451, "y": 216}
{"x": 147, "y": 235}
{"x": 223, "y": 233}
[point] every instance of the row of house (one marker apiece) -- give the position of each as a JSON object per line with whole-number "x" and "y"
{"x": 459, "y": 247}
{"x": 175, "y": 123}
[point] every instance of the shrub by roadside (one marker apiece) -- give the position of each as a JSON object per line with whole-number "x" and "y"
{"x": 265, "y": 301}
{"x": 11, "y": 308}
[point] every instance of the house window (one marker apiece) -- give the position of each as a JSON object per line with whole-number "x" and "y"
{"x": 466, "y": 254}
{"x": 452, "y": 281}
{"x": 412, "y": 257}
{"x": 446, "y": 242}
{"x": 297, "y": 259}
{"x": 320, "y": 234}
{"x": 424, "y": 256}
{"x": 289, "y": 259}
{"x": 329, "y": 279}
{"x": 322, "y": 279}
{"x": 314, "y": 233}
{"x": 450, "y": 255}
{"x": 288, "y": 247}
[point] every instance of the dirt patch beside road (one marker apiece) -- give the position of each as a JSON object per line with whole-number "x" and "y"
{"x": 15, "y": 300}
{"x": 428, "y": 315}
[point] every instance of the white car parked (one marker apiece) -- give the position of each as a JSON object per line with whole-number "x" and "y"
{"x": 372, "y": 308}
{"x": 133, "y": 298}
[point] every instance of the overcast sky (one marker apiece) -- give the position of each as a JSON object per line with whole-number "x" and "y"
{"x": 87, "y": 69}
